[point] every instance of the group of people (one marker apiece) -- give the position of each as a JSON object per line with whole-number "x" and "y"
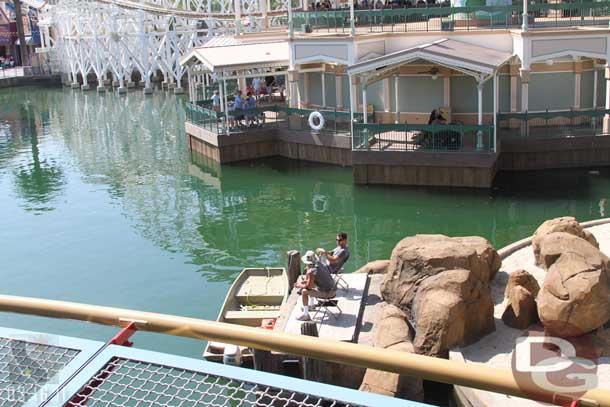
{"x": 318, "y": 280}
{"x": 238, "y": 108}
{"x": 7, "y": 62}
{"x": 369, "y": 4}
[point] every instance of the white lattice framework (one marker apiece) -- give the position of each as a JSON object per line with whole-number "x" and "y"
{"x": 119, "y": 37}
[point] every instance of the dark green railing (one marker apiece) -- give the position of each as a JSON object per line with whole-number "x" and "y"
{"x": 552, "y": 124}
{"x": 272, "y": 116}
{"x": 455, "y": 18}
{"x": 202, "y": 117}
{"x": 414, "y": 137}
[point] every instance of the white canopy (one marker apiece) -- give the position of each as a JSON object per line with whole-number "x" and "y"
{"x": 468, "y": 58}
{"x": 236, "y": 57}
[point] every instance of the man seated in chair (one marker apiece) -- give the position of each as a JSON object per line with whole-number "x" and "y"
{"x": 338, "y": 256}
{"x": 317, "y": 283}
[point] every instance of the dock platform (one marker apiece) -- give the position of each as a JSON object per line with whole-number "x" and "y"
{"x": 340, "y": 327}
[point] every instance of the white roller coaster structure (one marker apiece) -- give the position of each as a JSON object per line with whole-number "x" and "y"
{"x": 120, "y": 37}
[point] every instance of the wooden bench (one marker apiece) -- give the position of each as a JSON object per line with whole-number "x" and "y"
{"x": 250, "y": 318}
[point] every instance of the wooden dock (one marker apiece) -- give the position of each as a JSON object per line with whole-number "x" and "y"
{"x": 340, "y": 327}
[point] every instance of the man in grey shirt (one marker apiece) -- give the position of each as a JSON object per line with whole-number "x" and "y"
{"x": 317, "y": 282}
{"x": 339, "y": 255}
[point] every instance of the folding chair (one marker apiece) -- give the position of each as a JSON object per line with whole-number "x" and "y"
{"x": 325, "y": 302}
{"x": 339, "y": 280}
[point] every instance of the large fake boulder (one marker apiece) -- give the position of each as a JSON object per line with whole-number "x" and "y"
{"x": 485, "y": 251}
{"x": 392, "y": 332}
{"x": 566, "y": 224}
{"x": 416, "y": 258}
{"x": 393, "y": 384}
{"x": 521, "y": 310}
{"x": 575, "y": 295}
{"x": 554, "y": 245}
{"x": 374, "y": 267}
{"x": 391, "y": 327}
{"x": 524, "y": 279}
{"x": 452, "y": 308}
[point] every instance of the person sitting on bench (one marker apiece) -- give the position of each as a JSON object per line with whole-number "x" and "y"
{"x": 317, "y": 283}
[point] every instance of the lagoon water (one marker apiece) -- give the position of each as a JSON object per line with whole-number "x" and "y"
{"x": 101, "y": 202}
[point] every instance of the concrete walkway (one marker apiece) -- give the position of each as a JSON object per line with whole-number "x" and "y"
{"x": 496, "y": 349}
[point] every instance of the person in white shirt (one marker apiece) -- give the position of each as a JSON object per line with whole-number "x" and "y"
{"x": 216, "y": 101}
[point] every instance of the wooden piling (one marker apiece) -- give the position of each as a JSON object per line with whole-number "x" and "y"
{"x": 293, "y": 267}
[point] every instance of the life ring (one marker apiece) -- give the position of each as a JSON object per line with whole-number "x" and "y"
{"x": 316, "y": 115}
{"x": 319, "y": 203}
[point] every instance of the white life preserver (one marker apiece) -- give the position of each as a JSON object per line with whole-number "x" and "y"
{"x": 312, "y": 125}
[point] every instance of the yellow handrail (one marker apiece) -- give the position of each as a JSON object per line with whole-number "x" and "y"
{"x": 441, "y": 370}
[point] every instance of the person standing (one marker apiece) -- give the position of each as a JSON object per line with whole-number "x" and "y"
{"x": 339, "y": 255}
{"x": 216, "y": 102}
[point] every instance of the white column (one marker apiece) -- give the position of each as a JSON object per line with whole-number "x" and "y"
{"x": 222, "y": 97}
{"x": 263, "y": 9}
{"x": 339, "y": 91}
{"x": 480, "y": 115}
{"x": 525, "y": 16}
{"x": 364, "y": 104}
{"x": 238, "y": 15}
{"x": 352, "y": 18}
{"x": 396, "y": 99}
{"x": 495, "y": 112}
{"x": 351, "y": 107}
{"x": 306, "y": 87}
{"x": 525, "y": 79}
{"x": 595, "y": 73}
{"x": 577, "y": 83}
{"x": 607, "y": 104}
{"x": 386, "y": 95}
{"x": 224, "y": 85}
{"x": 323, "y": 76}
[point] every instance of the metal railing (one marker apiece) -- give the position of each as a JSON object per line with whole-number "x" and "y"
{"x": 443, "y": 18}
{"x": 203, "y": 117}
{"x": 271, "y": 116}
{"x": 414, "y": 137}
{"x": 552, "y": 124}
{"x": 24, "y": 71}
{"x": 441, "y": 370}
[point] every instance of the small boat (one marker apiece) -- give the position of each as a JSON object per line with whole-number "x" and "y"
{"x": 257, "y": 294}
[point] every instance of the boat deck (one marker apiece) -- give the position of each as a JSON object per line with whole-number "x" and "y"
{"x": 344, "y": 327}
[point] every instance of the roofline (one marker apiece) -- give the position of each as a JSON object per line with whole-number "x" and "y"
{"x": 421, "y": 52}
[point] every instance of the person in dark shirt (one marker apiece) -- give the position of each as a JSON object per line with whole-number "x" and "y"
{"x": 339, "y": 255}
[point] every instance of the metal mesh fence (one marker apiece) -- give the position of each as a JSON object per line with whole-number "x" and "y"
{"x": 25, "y": 367}
{"x": 130, "y": 383}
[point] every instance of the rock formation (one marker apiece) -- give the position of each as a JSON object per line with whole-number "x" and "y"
{"x": 575, "y": 296}
{"x": 566, "y": 224}
{"x": 524, "y": 279}
{"x": 552, "y": 246}
{"x": 521, "y": 292}
{"x": 374, "y": 267}
{"x": 442, "y": 284}
{"x": 521, "y": 311}
{"x": 392, "y": 332}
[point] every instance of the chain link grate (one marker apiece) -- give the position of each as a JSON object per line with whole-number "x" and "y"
{"x": 25, "y": 367}
{"x": 130, "y": 383}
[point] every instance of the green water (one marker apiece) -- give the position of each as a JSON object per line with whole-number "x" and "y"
{"x": 101, "y": 202}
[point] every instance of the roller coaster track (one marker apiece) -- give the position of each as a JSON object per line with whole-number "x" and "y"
{"x": 167, "y": 11}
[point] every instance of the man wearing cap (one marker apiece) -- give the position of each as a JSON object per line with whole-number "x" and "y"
{"x": 317, "y": 282}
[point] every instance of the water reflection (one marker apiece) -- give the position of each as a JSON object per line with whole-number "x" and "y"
{"x": 251, "y": 213}
{"x": 38, "y": 180}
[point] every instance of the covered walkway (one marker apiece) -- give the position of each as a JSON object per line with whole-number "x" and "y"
{"x": 478, "y": 62}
